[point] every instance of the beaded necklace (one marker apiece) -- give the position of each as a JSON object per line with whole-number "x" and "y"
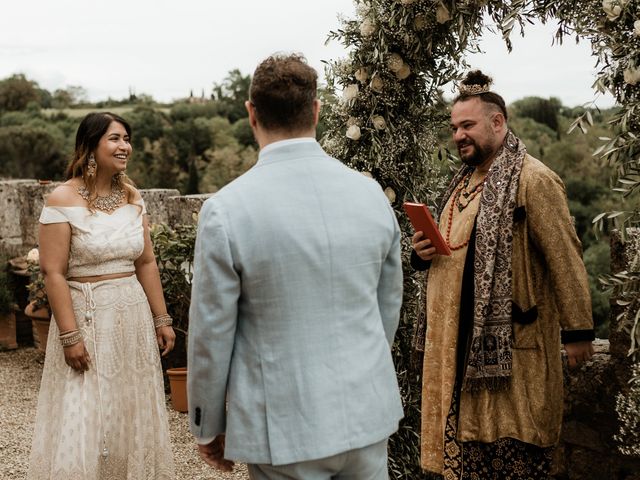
{"x": 461, "y": 199}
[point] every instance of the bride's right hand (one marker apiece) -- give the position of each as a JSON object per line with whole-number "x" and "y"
{"x": 77, "y": 357}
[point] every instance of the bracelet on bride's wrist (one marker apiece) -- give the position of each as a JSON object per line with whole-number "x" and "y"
{"x": 70, "y": 338}
{"x": 162, "y": 320}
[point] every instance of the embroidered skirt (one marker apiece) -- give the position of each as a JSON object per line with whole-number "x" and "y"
{"x": 109, "y": 422}
{"x": 504, "y": 459}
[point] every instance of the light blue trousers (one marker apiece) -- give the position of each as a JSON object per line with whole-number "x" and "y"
{"x": 366, "y": 463}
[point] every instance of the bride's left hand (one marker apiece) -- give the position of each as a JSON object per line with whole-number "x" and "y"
{"x": 166, "y": 339}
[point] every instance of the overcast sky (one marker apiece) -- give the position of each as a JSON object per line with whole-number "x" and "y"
{"x": 167, "y": 48}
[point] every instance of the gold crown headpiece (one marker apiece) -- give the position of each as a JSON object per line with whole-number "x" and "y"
{"x": 473, "y": 89}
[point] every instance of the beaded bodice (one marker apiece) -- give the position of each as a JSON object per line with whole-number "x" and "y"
{"x": 101, "y": 243}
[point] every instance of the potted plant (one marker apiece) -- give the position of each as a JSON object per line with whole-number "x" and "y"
{"x": 174, "y": 248}
{"x": 38, "y": 308}
{"x": 7, "y": 309}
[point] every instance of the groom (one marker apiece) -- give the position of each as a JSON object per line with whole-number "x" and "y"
{"x": 295, "y": 303}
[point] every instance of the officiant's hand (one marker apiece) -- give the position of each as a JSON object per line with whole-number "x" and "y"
{"x": 423, "y": 247}
{"x": 213, "y": 454}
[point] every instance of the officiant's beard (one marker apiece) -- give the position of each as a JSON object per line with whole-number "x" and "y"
{"x": 479, "y": 154}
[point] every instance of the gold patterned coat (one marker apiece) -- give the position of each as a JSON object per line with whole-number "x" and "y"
{"x": 550, "y": 294}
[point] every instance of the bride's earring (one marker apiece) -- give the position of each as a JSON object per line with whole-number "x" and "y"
{"x": 91, "y": 166}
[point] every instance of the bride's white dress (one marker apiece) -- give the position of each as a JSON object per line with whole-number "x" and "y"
{"x": 109, "y": 422}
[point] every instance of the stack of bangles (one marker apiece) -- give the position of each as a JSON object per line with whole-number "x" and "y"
{"x": 71, "y": 337}
{"x": 162, "y": 320}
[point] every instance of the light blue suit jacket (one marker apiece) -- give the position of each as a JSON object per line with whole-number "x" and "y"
{"x": 296, "y": 298}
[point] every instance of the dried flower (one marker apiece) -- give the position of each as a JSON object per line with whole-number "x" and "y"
{"x": 367, "y": 27}
{"x": 377, "y": 84}
{"x": 352, "y": 121}
{"x": 353, "y": 132}
{"x": 442, "y": 13}
{"x": 378, "y": 122}
{"x": 406, "y": 2}
{"x": 420, "y": 22}
{"x": 612, "y": 9}
{"x": 361, "y": 75}
{"x": 636, "y": 28}
{"x": 350, "y": 92}
{"x": 395, "y": 62}
{"x": 33, "y": 256}
{"x": 404, "y": 72}
{"x": 391, "y": 195}
{"x": 632, "y": 75}
{"x": 367, "y": 174}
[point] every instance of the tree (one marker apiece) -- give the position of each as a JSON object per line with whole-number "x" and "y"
{"x": 231, "y": 94}
{"x": 16, "y": 92}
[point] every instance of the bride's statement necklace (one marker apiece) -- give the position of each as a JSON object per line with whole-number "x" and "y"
{"x": 108, "y": 203}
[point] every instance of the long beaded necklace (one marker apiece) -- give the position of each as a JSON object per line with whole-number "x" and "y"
{"x": 109, "y": 202}
{"x": 461, "y": 199}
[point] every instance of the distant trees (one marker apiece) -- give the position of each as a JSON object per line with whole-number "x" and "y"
{"x": 16, "y": 93}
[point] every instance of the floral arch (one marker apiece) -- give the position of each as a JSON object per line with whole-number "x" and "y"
{"x": 401, "y": 52}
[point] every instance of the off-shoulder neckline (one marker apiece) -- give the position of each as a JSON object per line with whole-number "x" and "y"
{"x": 139, "y": 203}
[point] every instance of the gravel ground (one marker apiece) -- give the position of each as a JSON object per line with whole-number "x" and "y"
{"x": 20, "y": 372}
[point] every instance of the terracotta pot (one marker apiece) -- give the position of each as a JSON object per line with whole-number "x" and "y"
{"x": 178, "y": 385}
{"x": 8, "y": 331}
{"x": 40, "y": 321}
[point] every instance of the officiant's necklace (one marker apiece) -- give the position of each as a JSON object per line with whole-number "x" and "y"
{"x": 461, "y": 198}
{"x": 107, "y": 203}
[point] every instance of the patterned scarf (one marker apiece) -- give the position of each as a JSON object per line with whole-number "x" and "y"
{"x": 489, "y": 358}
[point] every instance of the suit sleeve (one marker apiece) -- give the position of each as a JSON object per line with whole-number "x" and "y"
{"x": 390, "y": 285}
{"x": 212, "y": 323}
{"x": 553, "y": 233}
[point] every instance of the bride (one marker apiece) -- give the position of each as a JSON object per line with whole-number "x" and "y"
{"x": 101, "y": 408}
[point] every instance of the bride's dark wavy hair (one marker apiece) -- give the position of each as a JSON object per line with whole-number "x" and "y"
{"x": 91, "y": 129}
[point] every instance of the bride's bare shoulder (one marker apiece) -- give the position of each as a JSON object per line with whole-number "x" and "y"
{"x": 66, "y": 195}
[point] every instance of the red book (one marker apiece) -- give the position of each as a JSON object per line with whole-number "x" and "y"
{"x": 422, "y": 221}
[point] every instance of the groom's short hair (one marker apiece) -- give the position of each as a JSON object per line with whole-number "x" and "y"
{"x": 282, "y": 92}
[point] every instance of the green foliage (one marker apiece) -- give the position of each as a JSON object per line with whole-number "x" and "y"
{"x": 7, "y": 302}
{"x": 628, "y": 406}
{"x": 231, "y": 95}
{"x": 597, "y": 262}
{"x": 16, "y": 92}
{"x": 539, "y": 109}
{"x": 174, "y": 249}
{"x": 32, "y": 151}
{"x": 37, "y": 292}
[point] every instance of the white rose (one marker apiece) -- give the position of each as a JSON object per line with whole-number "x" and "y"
{"x": 404, "y": 72}
{"x": 361, "y": 75}
{"x": 367, "y": 28}
{"x": 442, "y": 13}
{"x": 377, "y": 84}
{"x": 391, "y": 195}
{"x": 353, "y": 132}
{"x": 636, "y": 28}
{"x": 367, "y": 174}
{"x": 632, "y": 75}
{"x": 378, "y": 122}
{"x": 350, "y": 92}
{"x": 33, "y": 256}
{"x": 420, "y": 22}
{"x": 612, "y": 9}
{"x": 395, "y": 62}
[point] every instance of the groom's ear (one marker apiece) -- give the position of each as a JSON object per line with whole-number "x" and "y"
{"x": 251, "y": 110}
